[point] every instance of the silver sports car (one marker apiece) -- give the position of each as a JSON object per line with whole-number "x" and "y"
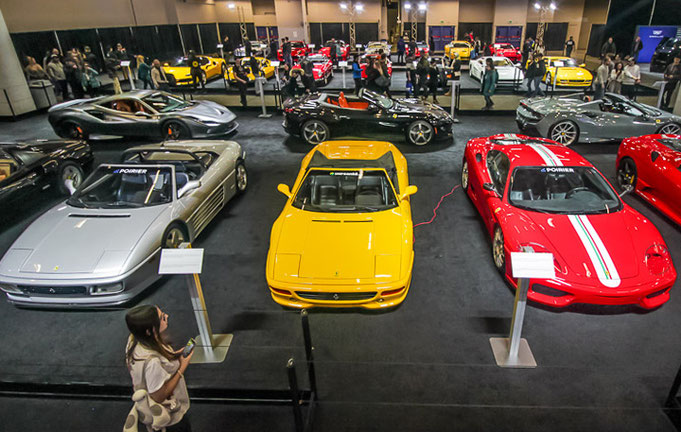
{"x": 572, "y": 119}
{"x": 102, "y": 246}
{"x": 141, "y": 113}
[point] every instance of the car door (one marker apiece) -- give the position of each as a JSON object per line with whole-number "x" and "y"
{"x": 633, "y": 121}
{"x": 19, "y": 181}
{"x": 498, "y": 165}
{"x": 664, "y": 176}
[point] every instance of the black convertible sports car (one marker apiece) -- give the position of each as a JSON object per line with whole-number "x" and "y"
{"x": 30, "y": 167}
{"x": 141, "y": 113}
{"x": 317, "y": 117}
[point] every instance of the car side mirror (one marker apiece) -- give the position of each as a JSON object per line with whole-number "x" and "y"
{"x": 583, "y": 65}
{"x": 409, "y": 191}
{"x": 69, "y": 186}
{"x": 142, "y": 114}
{"x": 284, "y": 189}
{"x": 654, "y": 155}
{"x": 188, "y": 187}
{"x": 489, "y": 187}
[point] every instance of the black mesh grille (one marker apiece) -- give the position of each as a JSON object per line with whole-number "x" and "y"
{"x": 336, "y": 296}
{"x": 541, "y": 289}
{"x": 47, "y": 290}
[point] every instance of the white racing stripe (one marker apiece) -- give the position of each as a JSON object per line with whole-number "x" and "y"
{"x": 549, "y": 157}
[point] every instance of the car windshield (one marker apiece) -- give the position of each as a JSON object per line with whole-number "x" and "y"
{"x": 377, "y": 99}
{"x": 671, "y": 143}
{"x": 181, "y": 62}
{"x": 562, "y": 190}
{"x": 564, "y": 63}
{"x": 297, "y": 45}
{"x": 164, "y": 102}
{"x": 670, "y": 42}
{"x": 502, "y": 63}
{"x": 318, "y": 59}
{"x": 506, "y": 46}
{"x": 345, "y": 191}
{"x": 124, "y": 187}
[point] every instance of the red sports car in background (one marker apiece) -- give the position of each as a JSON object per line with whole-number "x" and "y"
{"x": 537, "y": 195}
{"x": 651, "y": 164}
{"x": 298, "y": 49}
{"x": 322, "y": 67}
{"x": 364, "y": 64}
{"x": 421, "y": 47}
{"x": 326, "y": 49}
{"x": 506, "y": 50}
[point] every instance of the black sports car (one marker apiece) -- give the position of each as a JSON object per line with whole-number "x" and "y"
{"x": 664, "y": 54}
{"x": 317, "y": 117}
{"x": 29, "y": 167}
{"x": 141, "y": 113}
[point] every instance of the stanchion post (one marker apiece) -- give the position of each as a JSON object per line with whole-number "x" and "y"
{"x": 309, "y": 352}
{"x": 454, "y": 101}
{"x": 295, "y": 395}
{"x": 660, "y": 94}
{"x": 259, "y": 82}
{"x": 343, "y": 65}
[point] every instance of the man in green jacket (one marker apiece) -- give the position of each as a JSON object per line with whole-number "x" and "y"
{"x": 489, "y": 84}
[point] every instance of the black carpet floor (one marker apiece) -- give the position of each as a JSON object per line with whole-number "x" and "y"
{"x": 426, "y": 366}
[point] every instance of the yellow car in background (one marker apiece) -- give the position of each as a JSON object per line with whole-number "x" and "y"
{"x": 180, "y": 69}
{"x": 265, "y": 65}
{"x": 462, "y": 47}
{"x": 570, "y": 74}
{"x": 345, "y": 235}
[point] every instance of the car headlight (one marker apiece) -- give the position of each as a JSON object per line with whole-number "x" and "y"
{"x": 657, "y": 259}
{"x": 107, "y": 289}
{"x": 10, "y": 289}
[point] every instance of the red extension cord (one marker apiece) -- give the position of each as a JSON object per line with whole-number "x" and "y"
{"x": 438, "y": 206}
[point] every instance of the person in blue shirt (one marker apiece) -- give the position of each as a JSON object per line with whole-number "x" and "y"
{"x": 400, "y": 50}
{"x": 356, "y": 74}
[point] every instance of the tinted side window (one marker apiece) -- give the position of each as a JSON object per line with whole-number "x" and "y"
{"x": 498, "y": 165}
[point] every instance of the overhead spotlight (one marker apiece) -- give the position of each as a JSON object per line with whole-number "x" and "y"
{"x": 344, "y": 6}
{"x": 359, "y": 7}
{"x": 422, "y": 6}
{"x": 231, "y": 5}
{"x": 407, "y": 6}
{"x": 552, "y": 6}
{"x": 537, "y": 6}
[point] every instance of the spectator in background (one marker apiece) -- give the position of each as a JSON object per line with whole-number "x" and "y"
{"x": 478, "y": 47}
{"x": 111, "y": 66}
{"x": 286, "y": 51}
{"x": 534, "y": 75}
{"x": 632, "y": 77}
{"x": 248, "y": 48}
{"x": 400, "y": 50}
{"x": 356, "y": 74}
{"x": 290, "y": 89}
{"x": 241, "y": 82}
{"x": 48, "y": 57}
{"x": 227, "y": 49}
{"x": 431, "y": 43}
{"x": 489, "y": 84}
{"x": 609, "y": 48}
{"x": 616, "y": 78}
{"x": 411, "y": 71}
{"x": 373, "y": 71}
{"x": 195, "y": 69}
{"x": 90, "y": 80}
{"x": 636, "y": 47}
{"x": 34, "y": 71}
{"x": 74, "y": 75}
{"x": 144, "y": 73}
{"x": 158, "y": 76}
{"x": 672, "y": 75}
{"x": 255, "y": 66}
{"x": 122, "y": 55}
{"x": 569, "y": 46}
{"x": 453, "y": 67}
{"x": 308, "y": 82}
{"x": 602, "y": 75}
{"x": 339, "y": 52}
{"x": 433, "y": 80}
{"x": 422, "y": 69}
{"x": 55, "y": 70}
{"x": 332, "y": 51}
{"x": 91, "y": 58}
{"x": 413, "y": 48}
{"x": 528, "y": 46}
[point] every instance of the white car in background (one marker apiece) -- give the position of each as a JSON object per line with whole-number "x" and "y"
{"x": 507, "y": 70}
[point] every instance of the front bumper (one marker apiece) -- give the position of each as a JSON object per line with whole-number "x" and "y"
{"x": 199, "y": 130}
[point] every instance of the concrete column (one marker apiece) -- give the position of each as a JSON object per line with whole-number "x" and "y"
{"x": 289, "y": 15}
{"x": 13, "y": 85}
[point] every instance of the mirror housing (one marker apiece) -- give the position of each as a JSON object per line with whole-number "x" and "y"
{"x": 489, "y": 187}
{"x": 69, "y": 186}
{"x": 190, "y": 186}
{"x": 409, "y": 191}
{"x": 285, "y": 190}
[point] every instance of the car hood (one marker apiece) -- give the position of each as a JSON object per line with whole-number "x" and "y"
{"x": 598, "y": 246}
{"x": 544, "y": 105}
{"x": 180, "y": 70}
{"x": 573, "y": 73}
{"x": 209, "y": 110}
{"x": 73, "y": 241}
{"x": 340, "y": 247}
{"x": 510, "y": 72}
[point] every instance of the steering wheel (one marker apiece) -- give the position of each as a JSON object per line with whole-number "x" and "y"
{"x": 575, "y": 190}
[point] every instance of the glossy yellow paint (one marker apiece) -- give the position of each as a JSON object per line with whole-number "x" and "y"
{"x": 464, "y": 52}
{"x": 212, "y": 66}
{"x": 567, "y": 76}
{"x": 265, "y": 66}
{"x": 317, "y": 254}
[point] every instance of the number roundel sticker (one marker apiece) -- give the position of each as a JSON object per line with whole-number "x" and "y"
{"x": 195, "y": 64}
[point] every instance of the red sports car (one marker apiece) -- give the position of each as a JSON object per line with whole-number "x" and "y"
{"x": 422, "y": 46}
{"x": 651, "y": 164}
{"x": 345, "y": 49}
{"x": 322, "y": 68}
{"x": 537, "y": 195}
{"x": 298, "y": 49}
{"x": 363, "y": 65}
{"x": 506, "y": 50}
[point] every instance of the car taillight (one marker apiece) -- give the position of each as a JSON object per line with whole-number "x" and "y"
{"x": 288, "y": 110}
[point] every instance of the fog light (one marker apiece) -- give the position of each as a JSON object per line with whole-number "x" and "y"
{"x": 281, "y": 291}
{"x": 107, "y": 289}
{"x": 10, "y": 289}
{"x": 548, "y": 291}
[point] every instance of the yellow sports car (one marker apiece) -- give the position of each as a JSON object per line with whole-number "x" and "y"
{"x": 570, "y": 74}
{"x": 265, "y": 66}
{"x": 462, "y": 47}
{"x": 180, "y": 69}
{"x": 344, "y": 237}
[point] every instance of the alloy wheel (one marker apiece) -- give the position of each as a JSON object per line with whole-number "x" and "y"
{"x": 241, "y": 177}
{"x": 464, "y": 175}
{"x": 174, "y": 238}
{"x": 73, "y": 173}
{"x": 314, "y": 132}
{"x": 626, "y": 174}
{"x": 564, "y": 133}
{"x": 670, "y": 129}
{"x": 498, "y": 249}
{"x": 173, "y": 131}
{"x": 421, "y": 133}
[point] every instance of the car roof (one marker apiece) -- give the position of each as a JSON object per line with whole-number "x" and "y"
{"x": 528, "y": 151}
{"x": 134, "y": 94}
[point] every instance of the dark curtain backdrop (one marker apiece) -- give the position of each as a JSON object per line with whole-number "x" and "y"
{"x": 481, "y": 30}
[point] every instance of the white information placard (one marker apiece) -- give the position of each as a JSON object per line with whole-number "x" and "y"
{"x": 274, "y": 63}
{"x": 181, "y": 261}
{"x": 125, "y": 63}
{"x": 342, "y": 63}
{"x": 359, "y": 46}
{"x": 311, "y": 46}
{"x": 532, "y": 265}
{"x": 220, "y": 46}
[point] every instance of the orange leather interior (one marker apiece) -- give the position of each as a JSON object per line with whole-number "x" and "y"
{"x": 342, "y": 101}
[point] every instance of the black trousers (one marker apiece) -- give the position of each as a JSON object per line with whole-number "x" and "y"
{"x": 400, "y": 56}
{"x": 629, "y": 91}
{"x": 242, "y": 93}
{"x": 358, "y": 85}
{"x": 196, "y": 78}
{"x": 669, "y": 88}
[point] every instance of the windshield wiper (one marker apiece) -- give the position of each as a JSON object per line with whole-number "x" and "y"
{"x": 78, "y": 202}
{"x": 367, "y": 208}
{"x": 122, "y": 204}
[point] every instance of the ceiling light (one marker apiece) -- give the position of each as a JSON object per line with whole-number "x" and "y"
{"x": 231, "y": 5}
{"x": 537, "y": 6}
{"x": 343, "y": 6}
{"x": 359, "y": 7}
{"x": 552, "y": 6}
{"x": 407, "y": 6}
{"x": 422, "y": 6}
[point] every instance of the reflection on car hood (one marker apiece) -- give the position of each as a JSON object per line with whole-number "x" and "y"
{"x": 209, "y": 110}
{"x": 414, "y": 105}
{"x": 71, "y": 241}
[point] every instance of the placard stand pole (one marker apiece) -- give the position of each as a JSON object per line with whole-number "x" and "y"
{"x": 210, "y": 348}
{"x": 259, "y": 83}
{"x": 455, "y": 94}
{"x": 132, "y": 81}
{"x": 343, "y": 72}
{"x": 660, "y": 93}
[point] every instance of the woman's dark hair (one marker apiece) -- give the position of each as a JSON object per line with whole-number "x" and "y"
{"x": 144, "y": 325}
{"x": 620, "y": 64}
{"x": 490, "y": 63}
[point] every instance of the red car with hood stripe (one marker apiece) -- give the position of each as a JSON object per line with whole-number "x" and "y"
{"x": 506, "y": 50}
{"x": 537, "y": 195}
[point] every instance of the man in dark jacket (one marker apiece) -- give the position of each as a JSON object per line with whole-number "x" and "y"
{"x": 672, "y": 75}
{"x": 195, "y": 69}
{"x": 286, "y": 51}
{"x": 636, "y": 47}
{"x": 247, "y": 47}
{"x": 569, "y": 46}
{"x": 91, "y": 58}
{"x": 609, "y": 48}
{"x": 535, "y": 73}
{"x": 422, "y": 69}
{"x": 400, "y": 50}
{"x": 527, "y": 49}
{"x": 413, "y": 47}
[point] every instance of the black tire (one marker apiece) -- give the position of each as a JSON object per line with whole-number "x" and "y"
{"x": 241, "y": 177}
{"x": 175, "y": 130}
{"x": 315, "y": 132}
{"x": 223, "y": 69}
{"x": 70, "y": 171}
{"x": 420, "y": 133}
{"x": 464, "y": 175}
{"x": 72, "y": 130}
{"x": 173, "y": 236}
{"x": 498, "y": 252}
{"x": 627, "y": 174}
{"x": 565, "y": 132}
{"x": 670, "y": 129}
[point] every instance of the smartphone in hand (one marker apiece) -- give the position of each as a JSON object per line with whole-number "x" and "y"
{"x": 189, "y": 347}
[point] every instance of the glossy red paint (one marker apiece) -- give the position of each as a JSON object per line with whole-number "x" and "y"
{"x": 640, "y": 272}
{"x": 363, "y": 66}
{"x": 321, "y": 69}
{"x": 658, "y": 171}
{"x": 298, "y": 49}
{"x": 421, "y": 47}
{"x": 506, "y": 50}
{"x": 345, "y": 50}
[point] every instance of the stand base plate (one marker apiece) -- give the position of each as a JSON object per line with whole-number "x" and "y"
{"x": 525, "y": 358}
{"x": 204, "y": 354}
{"x": 264, "y": 115}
